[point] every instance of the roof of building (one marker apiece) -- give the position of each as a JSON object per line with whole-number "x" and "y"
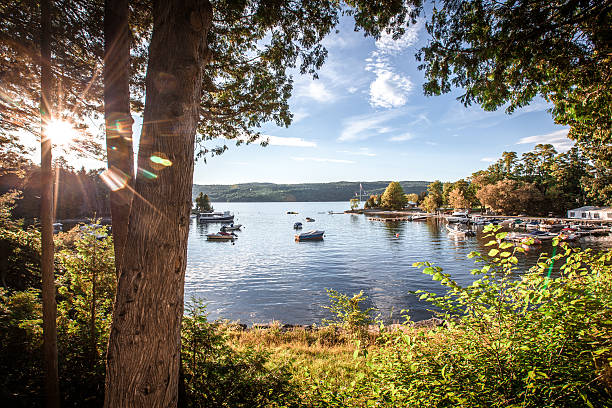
{"x": 591, "y": 208}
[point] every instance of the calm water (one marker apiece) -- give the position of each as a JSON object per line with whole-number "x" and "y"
{"x": 266, "y": 275}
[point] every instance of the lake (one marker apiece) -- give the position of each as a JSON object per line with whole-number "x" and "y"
{"x": 265, "y": 275}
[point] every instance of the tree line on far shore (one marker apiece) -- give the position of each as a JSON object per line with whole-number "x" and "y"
{"x": 540, "y": 182}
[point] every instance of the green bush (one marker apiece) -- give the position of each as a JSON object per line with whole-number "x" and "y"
{"x": 349, "y": 313}
{"x": 215, "y": 375}
{"x": 510, "y": 341}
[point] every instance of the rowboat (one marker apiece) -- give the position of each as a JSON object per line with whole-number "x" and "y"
{"x": 314, "y": 235}
{"x": 221, "y": 236}
{"x": 231, "y": 227}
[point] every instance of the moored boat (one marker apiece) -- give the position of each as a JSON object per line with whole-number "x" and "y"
{"x": 458, "y": 216}
{"x": 314, "y": 235}
{"x": 460, "y": 231}
{"x": 231, "y": 227}
{"x": 221, "y": 236}
{"x": 297, "y": 225}
{"x": 308, "y": 219}
{"x": 225, "y": 216}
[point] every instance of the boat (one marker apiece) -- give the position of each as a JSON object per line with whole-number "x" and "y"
{"x": 57, "y": 227}
{"x": 314, "y": 235}
{"x": 458, "y": 216}
{"x": 225, "y": 216}
{"x": 308, "y": 219}
{"x": 221, "y": 236}
{"x": 419, "y": 217}
{"x": 292, "y": 212}
{"x": 460, "y": 231}
{"x": 231, "y": 227}
{"x": 297, "y": 225}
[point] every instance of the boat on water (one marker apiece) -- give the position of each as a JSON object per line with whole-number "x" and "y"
{"x": 419, "y": 217}
{"x": 455, "y": 230}
{"x": 218, "y": 216}
{"x": 314, "y": 235}
{"x": 292, "y": 212}
{"x": 297, "y": 225}
{"x": 221, "y": 236}
{"x": 231, "y": 227}
{"x": 308, "y": 219}
{"x": 458, "y": 216}
{"x": 57, "y": 227}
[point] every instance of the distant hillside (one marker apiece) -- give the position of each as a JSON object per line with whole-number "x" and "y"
{"x": 337, "y": 191}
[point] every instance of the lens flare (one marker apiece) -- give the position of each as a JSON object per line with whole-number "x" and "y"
{"x": 160, "y": 160}
{"x": 60, "y": 132}
{"x": 147, "y": 174}
{"x": 114, "y": 178}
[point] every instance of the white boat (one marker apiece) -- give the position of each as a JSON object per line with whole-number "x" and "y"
{"x": 458, "y": 216}
{"x": 225, "y": 216}
{"x": 418, "y": 217}
{"x": 460, "y": 231}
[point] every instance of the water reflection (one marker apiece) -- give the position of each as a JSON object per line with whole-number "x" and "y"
{"x": 267, "y": 275}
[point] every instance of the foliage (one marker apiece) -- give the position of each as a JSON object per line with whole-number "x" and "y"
{"x": 511, "y": 197}
{"x": 203, "y": 203}
{"x": 393, "y": 198}
{"x": 19, "y": 248}
{"x": 373, "y": 202}
{"x": 412, "y": 198}
{"x": 457, "y": 200}
{"x": 215, "y": 375}
{"x": 354, "y": 203}
{"x": 506, "y": 53}
{"x": 349, "y": 313}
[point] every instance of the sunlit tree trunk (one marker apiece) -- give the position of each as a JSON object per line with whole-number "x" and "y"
{"x": 143, "y": 353}
{"x": 46, "y": 215}
{"x": 119, "y": 146}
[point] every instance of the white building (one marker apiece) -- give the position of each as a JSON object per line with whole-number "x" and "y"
{"x": 590, "y": 212}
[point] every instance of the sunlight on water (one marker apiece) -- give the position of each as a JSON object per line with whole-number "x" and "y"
{"x": 266, "y": 275}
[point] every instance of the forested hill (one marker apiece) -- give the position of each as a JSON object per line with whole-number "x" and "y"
{"x": 337, "y": 191}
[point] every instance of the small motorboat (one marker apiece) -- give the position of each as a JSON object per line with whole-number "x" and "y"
{"x": 419, "y": 217}
{"x": 225, "y": 216}
{"x": 308, "y": 219}
{"x": 292, "y": 212}
{"x": 460, "y": 231}
{"x": 297, "y": 225}
{"x": 314, "y": 235}
{"x": 221, "y": 236}
{"x": 231, "y": 227}
{"x": 458, "y": 216}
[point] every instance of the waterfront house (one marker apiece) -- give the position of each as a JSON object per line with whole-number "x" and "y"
{"x": 590, "y": 212}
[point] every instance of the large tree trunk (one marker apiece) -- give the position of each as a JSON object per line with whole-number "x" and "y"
{"x": 143, "y": 353}
{"x": 119, "y": 146}
{"x": 46, "y": 214}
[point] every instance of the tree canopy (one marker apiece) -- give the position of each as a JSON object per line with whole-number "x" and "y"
{"x": 393, "y": 198}
{"x": 505, "y": 53}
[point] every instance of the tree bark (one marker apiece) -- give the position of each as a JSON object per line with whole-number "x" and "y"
{"x": 52, "y": 398}
{"x": 142, "y": 368}
{"x": 118, "y": 119}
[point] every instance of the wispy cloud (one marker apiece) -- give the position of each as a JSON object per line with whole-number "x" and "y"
{"x": 318, "y": 91}
{"x": 289, "y": 141}
{"x": 363, "y": 151}
{"x": 401, "y": 138}
{"x": 558, "y": 139}
{"x": 487, "y": 159}
{"x": 390, "y": 88}
{"x": 322, "y": 160}
{"x": 299, "y": 115}
{"x": 365, "y": 126}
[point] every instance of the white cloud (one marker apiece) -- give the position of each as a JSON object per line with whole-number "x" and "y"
{"x": 352, "y": 89}
{"x": 300, "y": 115}
{"x": 322, "y": 160}
{"x": 390, "y": 89}
{"x": 558, "y": 139}
{"x": 401, "y": 138}
{"x": 363, "y": 151}
{"x": 317, "y": 91}
{"x": 289, "y": 141}
{"x": 365, "y": 126}
{"x": 487, "y": 159}
{"x": 387, "y": 44}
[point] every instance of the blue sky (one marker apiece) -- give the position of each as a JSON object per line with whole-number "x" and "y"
{"x": 366, "y": 118}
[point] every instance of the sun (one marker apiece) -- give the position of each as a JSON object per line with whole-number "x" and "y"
{"x": 61, "y": 132}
